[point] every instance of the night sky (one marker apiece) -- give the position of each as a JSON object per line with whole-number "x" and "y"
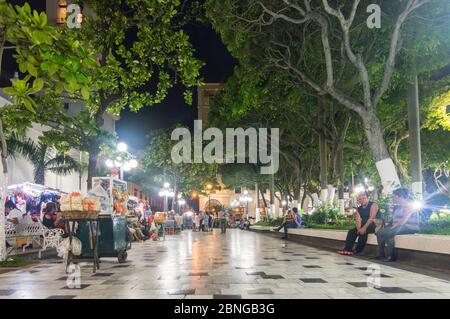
{"x": 133, "y": 128}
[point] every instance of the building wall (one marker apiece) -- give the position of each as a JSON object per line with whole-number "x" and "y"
{"x": 205, "y": 92}
{"x": 20, "y": 170}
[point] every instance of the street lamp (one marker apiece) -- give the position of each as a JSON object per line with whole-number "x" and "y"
{"x": 166, "y": 192}
{"x": 246, "y": 199}
{"x": 209, "y": 188}
{"x": 181, "y": 203}
{"x": 124, "y": 165}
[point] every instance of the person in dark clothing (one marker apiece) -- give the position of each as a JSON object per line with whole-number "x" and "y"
{"x": 365, "y": 225}
{"x": 49, "y": 217}
{"x": 406, "y": 221}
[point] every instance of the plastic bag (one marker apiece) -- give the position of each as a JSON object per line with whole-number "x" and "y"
{"x": 64, "y": 248}
{"x": 77, "y": 202}
{"x": 76, "y": 246}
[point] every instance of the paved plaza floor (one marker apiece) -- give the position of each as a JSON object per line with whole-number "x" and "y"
{"x": 240, "y": 264}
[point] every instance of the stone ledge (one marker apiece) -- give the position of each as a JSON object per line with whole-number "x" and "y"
{"x": 438, "y": 244}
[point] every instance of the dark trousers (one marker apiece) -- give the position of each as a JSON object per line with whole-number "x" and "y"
{"x": 386, "y": 237}
{"x": 286, "y": 225}
{"x": 223, "y": 225}
{"x": 362, "y": 239}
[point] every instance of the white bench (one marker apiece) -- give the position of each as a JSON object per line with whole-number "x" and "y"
{"x": 52, "y": 237}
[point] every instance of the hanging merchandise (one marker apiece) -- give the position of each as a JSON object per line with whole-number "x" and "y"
{"x": 117, "y": 194}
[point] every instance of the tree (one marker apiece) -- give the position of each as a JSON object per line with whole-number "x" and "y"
{"x": 52, "y": 63}
{"x": 348, "y": 62}
{"x": 142, "y": 52}
{"x": 43, "y": 157}
{"x": 185, "y": 178}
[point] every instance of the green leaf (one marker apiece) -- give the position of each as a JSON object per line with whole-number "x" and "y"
{"x": 29, "y": 104}
{"x": 85, "y": 93}
{"x": 10, "y": 91}
{"x": 38, "y": 84}
{"x": 43, "y": 18}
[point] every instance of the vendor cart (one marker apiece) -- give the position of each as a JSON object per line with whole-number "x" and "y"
{"x": 113, "y": 240}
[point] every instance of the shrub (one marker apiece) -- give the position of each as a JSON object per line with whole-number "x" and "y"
{"x": 326, "y": 214}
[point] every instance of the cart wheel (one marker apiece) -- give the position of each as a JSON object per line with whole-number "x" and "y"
{"x": 122, "y": 257}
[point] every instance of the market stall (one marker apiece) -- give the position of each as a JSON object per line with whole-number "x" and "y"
{"x": 101, "y": 220}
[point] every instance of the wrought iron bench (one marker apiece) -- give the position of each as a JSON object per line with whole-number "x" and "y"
{"x": 52, "y": 237}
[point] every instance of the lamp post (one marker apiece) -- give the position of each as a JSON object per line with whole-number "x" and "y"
{"x": 166, "y": 192}
{"x": 246, "y": 199}
{"x": 209, "y": 188}
{"x": 181, "y": 203}
{"x": 124, "y": 165}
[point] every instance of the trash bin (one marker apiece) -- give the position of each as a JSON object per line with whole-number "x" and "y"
{"x": 113, "y": 238}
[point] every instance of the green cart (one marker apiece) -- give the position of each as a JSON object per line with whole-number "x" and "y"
{"x": 113, "y": 240}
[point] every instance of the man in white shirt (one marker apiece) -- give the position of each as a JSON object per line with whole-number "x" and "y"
{"x": 15, "y": 216}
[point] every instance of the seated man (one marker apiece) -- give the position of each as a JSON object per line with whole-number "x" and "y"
{"x": 365, "y": 225}
{"x": 14, "y": 217}
{"x": 290, "y": 221}
{"x": 406, "y": 221}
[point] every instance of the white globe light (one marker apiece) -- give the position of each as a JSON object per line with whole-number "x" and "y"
{"x": 181, "y": 202}
{"x": 283, "y": 203}
{"x": 133, "y": 163}
{"x": 171, "y": 194}
{"x": 166, "y": 185}
{"x": 161, "y": 194}
{"x": 109, "y": 163}
{"x": 126, "y": 167}
{"x": 179, "y": 196}
{"x": 122, "y": 147}
{"x": 246, "y": 192}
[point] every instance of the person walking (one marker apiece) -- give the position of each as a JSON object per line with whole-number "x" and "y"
{"x": 406, "y": 221}
{"x": 364, "y": 225}
{"x": 223, "y": 216}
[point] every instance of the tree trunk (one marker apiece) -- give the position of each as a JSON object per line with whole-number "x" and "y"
{"x": 262, "y": 195}
{"x": 385, "y": 165}
{"x": 94, "y": 148}
{"x": 341, "y": 171}
{"x": 4, "y": 190}
{"x": 322, "y": 150}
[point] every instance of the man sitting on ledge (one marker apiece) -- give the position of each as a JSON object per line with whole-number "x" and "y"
{"x": 406, "y": 221}
{"x": 290, "y": 221}
{"x": 364, "y": 220}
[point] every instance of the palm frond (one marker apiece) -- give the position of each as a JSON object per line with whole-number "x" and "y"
{"x": 62, "y": 164}
{"x": 24, "y": 146}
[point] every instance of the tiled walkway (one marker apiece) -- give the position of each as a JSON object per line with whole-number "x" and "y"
{"x": 209, "y": 265}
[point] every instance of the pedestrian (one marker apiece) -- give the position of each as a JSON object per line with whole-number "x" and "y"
{"x": 206, "y": 222}
{"x": 223, "y": 216}
{"x": 364, "y": 225}
{"x": 211, "y": 221}
{"x": 406, "y": 221}
{"x": 197, "y": 222}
